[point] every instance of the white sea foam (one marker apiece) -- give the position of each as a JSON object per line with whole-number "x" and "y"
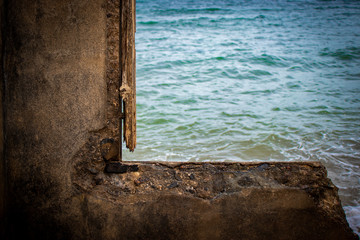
{"x": 353, "y": 217}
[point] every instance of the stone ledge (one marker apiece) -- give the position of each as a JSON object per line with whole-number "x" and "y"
{"x": 258, "y": 200}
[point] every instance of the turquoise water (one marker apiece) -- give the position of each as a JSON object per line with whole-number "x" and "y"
{"x": 251, "y": 81}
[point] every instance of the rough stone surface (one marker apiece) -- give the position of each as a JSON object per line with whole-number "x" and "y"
{"x": 55, "y": 96}
{"x": 219, "y": 200}
{"x": 61, "y": 70}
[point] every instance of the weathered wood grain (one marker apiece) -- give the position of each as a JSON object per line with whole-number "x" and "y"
{"x": 128, "y": 71}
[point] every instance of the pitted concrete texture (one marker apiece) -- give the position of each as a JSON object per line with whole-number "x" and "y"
{"x": 217, "y": 200}
{"x": 55, "y": 96}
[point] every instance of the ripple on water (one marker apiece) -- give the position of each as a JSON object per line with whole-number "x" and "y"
{"x": 260, "y": 73}
{"x": 349, "y": 53}
{"x": 268, "y": 60}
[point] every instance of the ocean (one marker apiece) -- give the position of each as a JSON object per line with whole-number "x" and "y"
{"x": 243, "y": 80}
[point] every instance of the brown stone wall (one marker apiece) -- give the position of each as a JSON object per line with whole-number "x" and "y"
{"x": 214, "y": 201}
{"x": 55, "y": 68}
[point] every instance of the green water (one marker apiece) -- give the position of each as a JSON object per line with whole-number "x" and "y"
{"x": 251, "y": 81}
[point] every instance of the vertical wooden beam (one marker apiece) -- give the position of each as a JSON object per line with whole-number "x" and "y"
{"x": 128, "y": 75}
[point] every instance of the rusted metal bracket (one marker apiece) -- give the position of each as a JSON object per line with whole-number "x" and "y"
{"x": 121, "y": 119}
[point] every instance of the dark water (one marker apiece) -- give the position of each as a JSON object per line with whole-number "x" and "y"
{"x": 250, "y": 81}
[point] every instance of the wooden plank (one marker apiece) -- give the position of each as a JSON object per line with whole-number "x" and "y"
{"x": 128, "y": 69}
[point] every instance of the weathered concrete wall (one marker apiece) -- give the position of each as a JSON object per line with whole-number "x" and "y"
{"x": 55, "y": 96}
{"x": 61, "y": 102}
{"x": 213, "y": 201}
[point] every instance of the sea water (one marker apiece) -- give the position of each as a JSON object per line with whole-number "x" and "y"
{"x": 236, "y": 80}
